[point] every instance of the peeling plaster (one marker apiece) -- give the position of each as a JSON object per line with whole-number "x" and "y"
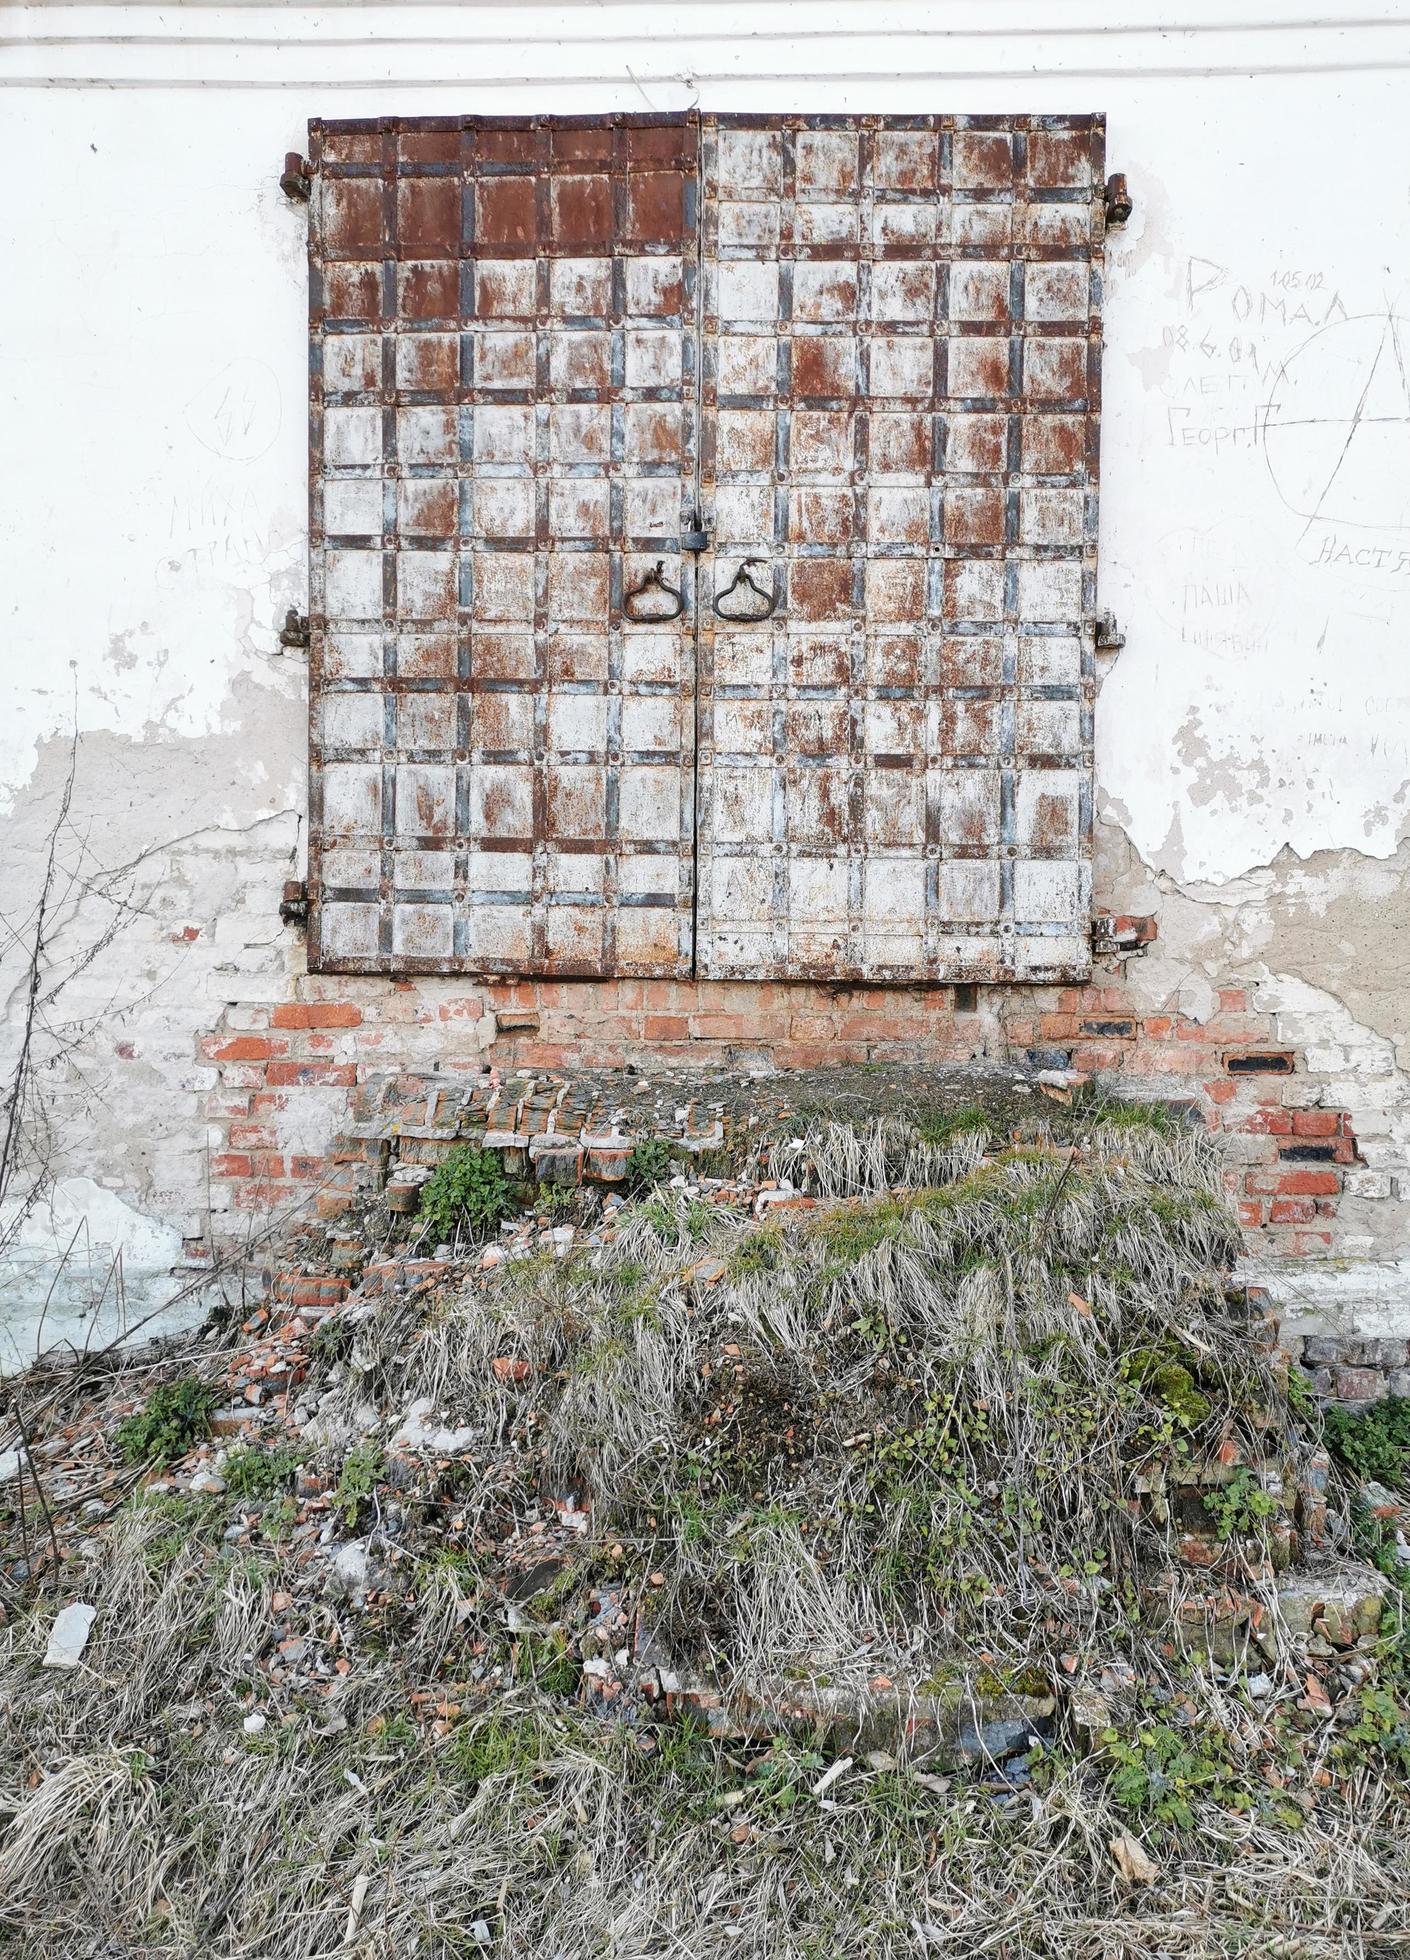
{"x": 82, "y": 1270}
{"x": 1252, "y": 745}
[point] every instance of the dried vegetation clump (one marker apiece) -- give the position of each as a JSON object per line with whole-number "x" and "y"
{"x": 900, "y": 1571}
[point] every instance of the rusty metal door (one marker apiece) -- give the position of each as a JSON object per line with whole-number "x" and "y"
{"x": 504, "y": 445}
{"x": 901, "y": 385}
{"x": 868, "y": 349}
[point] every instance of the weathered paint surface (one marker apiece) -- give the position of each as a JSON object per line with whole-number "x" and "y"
{"x": 1251, "y": 747}
{"x": 899, "y": 430}
{"x": 504, "y": 434}
{"x": 862, "y": 355}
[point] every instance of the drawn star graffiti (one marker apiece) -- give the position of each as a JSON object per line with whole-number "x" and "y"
{"x": 1336, "y": 426}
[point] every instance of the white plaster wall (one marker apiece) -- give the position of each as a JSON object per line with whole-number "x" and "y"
{"x": 1256, "y": 437}
{"x": 154, "y": 360}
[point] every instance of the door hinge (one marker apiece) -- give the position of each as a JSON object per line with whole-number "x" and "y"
{"x": 1123, "y": 935}
{"x": 293, "y": 906}
{"x": 1118, "y": 200}
{"x": 296, "y": 181}
{"x": 294, "y": 632}
{"x": 1108, "y": 636}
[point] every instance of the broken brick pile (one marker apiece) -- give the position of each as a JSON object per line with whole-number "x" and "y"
{"x": 1306, "y": 1127}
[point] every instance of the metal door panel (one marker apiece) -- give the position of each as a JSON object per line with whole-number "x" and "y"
{"x": 503, "y": 418}
{"x": 901, "y": 363}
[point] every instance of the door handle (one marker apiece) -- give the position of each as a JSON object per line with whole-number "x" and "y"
{"x": 762, "y": 603}
{"x": 670, "y": 605}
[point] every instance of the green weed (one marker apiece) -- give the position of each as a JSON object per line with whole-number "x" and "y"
{"x": 1239, "y": 1507}
{"x": 363, "y": 1469}
{"x": 174, "y": 1418}
{"x": 649, "y": 1163}
{"x": 468, "y": 1195}
{"x": 1373, "y": 1442}
{"x": 254, "y": 1472}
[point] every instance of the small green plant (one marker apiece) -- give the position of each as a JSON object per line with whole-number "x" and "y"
{"x": 778, "y": 1781}
{"x": 1162, "y": 1772}
{"x": 184, "y": 1520}
{"x": 1373, "y": 1442}
{"x": 332, "y": 1340}
{"x": 175, "y": 1417}
{"x": 1381, "y": 1725}
{"x": 468, "y": 1196}
{"x": 649, "y": 1163}
{"x": 254, "y": 1472}
{"x": 760, "y": 1252}
{"x": 493, "y": 1745}
{"x": 558, "y": 1200}
{"x": 1238, "y": 1507}
{"x": 364, "y": 1467}
{"x": 939, "y": 1127}
{"x": 279, "y": 1518}
{"x": 544, "y": 1659}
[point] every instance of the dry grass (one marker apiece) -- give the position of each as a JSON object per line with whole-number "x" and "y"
{"x": 896, "y": 1435}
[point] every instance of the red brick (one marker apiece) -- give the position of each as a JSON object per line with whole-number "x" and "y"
{"x": 231, "y": 1166}
{"x": 1057, "y": 1027}
{"x": 1268, "y": 1123}
{"x": 317, "y": 1014}
{"x": 1308, "y": 1184}
{"x": 1292, "y": 1211}
{"x": 1220, "y": 1092}
{"x": 1250, "y": 1212}
{"x": 1100, "y": 1057}
{"x": 1316, "y": 1122}
{"x": 250, "y": 1136}
{"x": 666, "y": 1027}
{"x": 1232, "y": 1000}
{"x": 248, "y": 1048}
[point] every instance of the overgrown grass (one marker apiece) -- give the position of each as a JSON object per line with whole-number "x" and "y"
{"x": 906, "y": 1439}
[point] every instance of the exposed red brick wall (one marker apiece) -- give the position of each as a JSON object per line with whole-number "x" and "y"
{"x": 1289, "y": 1153}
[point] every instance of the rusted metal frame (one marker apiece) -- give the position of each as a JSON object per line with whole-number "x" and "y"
{"x": 464, "y": 956}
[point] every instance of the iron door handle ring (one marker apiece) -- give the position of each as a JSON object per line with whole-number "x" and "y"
{"x": 746, "y": 578}
{"x": 654, "y": 581}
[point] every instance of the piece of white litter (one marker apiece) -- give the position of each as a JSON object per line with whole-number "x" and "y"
{"x": 831, "y": 1774}
{"x": 359, "y": 1893}
{"x": 252, "y": 1724}
{"x": 69, "y": 1635}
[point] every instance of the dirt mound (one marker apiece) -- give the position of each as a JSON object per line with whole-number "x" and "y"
{"x": 903, "y": 1542}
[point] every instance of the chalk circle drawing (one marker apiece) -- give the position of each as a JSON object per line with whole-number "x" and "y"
{"x": 1336, "y": 426}
{"x": 237, "y": 414}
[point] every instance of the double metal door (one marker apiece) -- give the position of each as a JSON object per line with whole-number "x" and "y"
{"x": 704, "y": 545}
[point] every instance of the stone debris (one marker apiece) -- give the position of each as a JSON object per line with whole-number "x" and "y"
{"x": 69, "y": 1635}
{"x": 286, "y": 1391}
